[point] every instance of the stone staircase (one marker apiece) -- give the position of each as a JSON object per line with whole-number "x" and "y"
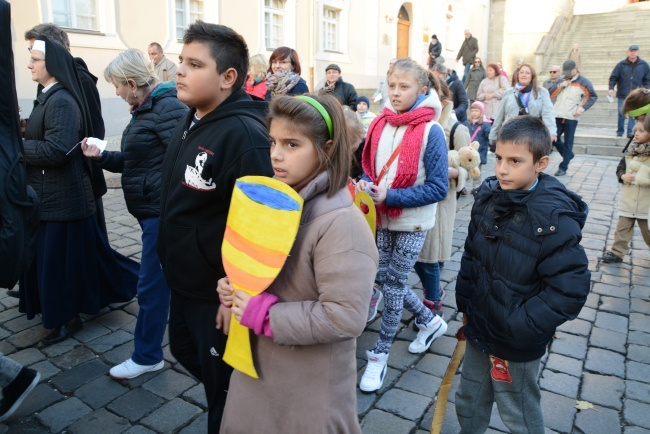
{"x": 603, "y": 39}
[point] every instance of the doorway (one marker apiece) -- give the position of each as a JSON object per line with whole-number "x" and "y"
{"x": 403, "y": 33}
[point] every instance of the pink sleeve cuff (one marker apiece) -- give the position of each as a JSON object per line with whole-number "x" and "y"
{"x": 256, "y": 315}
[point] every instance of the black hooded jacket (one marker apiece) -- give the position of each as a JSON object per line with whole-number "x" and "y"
{"x": 345, "y": 93}
{"x": 199, "y": 172}
{"x": 523, "y": 272}
{"x": 58, "y": 122}
{"x": 460, "y": 96}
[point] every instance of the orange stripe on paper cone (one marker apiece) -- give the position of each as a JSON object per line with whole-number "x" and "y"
{"x": 268, "y": 257}
{"x": 244, "y": 280}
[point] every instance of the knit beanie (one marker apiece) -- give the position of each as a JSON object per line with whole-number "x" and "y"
{"x": 365, "y": 99}
{"x": 479, "y": 105}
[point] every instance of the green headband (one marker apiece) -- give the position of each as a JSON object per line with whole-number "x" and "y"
{"x": 318, "y": 106}
{"x": 640, "y": 111}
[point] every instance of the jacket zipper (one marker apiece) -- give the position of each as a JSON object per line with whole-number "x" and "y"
{"x": 162, "y": 214}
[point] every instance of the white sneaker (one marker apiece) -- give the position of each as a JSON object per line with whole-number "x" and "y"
{"x": 129, "y": 369}
{"x": 427, "y": 334}
{"x": 375, "y": 372}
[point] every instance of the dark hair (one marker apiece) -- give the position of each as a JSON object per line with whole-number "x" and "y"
{"x": 306, "y": 119}
{"x": 157, "y": 45}
{"x": 440, "y": 87}
{"x": 50, "y": 30}
{"x": 533, "y": 78}
{"x": 227, "y": 47}
{"x": 494, "y": 66}
{"x": 527, "y": 130}
{"x": 283, "y": 53}
{"x": 636, "y": 99}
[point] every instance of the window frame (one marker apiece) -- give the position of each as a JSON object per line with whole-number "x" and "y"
{"x": 187, "y": 16}
{"x": 326, "y": 23}
{"x": 273, "y": 11}
{"x": 72, "y": 4}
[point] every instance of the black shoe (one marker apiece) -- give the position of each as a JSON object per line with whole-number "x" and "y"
{"x": 560, "y": 172}
{"x": 63, "y": 332}
{"x": 619, "y": 134}
{"x": 610, "y": 257}
{"x": 463, "y": 192}
{"x": 13, "y": 293}
{"x": 15, "y": 393}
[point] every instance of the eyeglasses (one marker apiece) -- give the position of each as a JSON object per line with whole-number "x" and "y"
{"x": 554, "y": 72}
{"x": 32, "y": 60}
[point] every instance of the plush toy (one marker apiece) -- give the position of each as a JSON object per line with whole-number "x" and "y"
{"x": 467, "y": 160}
{"x": 640, "y": 168}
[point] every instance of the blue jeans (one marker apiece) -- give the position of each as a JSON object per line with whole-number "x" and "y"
{"x": 568, "y": 128}
{"x": 466, "y": 73}
{"x": 9, "y": 370}
{"x": 621, "y": 120}
{"x": 153, "y": 298}
{"x": 429, "y": 274}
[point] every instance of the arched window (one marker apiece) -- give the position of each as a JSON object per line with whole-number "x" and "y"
{"x": 403, "y": 14}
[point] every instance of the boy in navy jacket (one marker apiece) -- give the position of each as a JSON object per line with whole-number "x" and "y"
{"x": 523, "y": 273}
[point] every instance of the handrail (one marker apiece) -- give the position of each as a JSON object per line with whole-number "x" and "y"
{"x": 547, "y": 46}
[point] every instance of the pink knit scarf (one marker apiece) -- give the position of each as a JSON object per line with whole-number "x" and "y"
{"x": 409, "y": 156}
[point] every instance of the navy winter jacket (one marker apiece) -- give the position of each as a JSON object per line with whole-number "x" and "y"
{"x": 523, "y": 272}
{"x": 482, "y": 137}
{"x": 144, "y": 143}
{"x": 460, "y": 96}
{"x": 628, "y": 76}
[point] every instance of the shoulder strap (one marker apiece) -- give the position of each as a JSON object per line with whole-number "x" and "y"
{"x": 476, "y": 133}
{"x": 451, "y": 135}
{"x": 388, "y": 163}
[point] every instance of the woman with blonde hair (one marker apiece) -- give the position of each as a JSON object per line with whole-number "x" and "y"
{"x": 155, "y": 112}
{"x": 256, "y": 81}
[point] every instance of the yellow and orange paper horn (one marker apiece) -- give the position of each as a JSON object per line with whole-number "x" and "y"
{"x": 262, "y": 225}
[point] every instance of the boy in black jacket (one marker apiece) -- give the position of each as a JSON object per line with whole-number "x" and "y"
{"x": 222, "y": 138}
{"x": 523, "y": 273}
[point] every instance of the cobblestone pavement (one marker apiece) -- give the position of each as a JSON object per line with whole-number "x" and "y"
{"x": 601, "y": 357}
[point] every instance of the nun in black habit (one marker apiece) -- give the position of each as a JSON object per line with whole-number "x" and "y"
{"x": 75, "y": 270}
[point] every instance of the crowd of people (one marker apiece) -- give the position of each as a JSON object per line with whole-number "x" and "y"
{"x": 217, "y": 115}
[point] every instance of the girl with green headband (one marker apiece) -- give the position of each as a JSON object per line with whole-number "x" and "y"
{"x": 633, "y": 173}
{"x": 304, "y": 327}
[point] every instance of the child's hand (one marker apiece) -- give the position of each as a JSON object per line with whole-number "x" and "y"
{"x": 361, "y": 185}
{"x": 380, "y": 194}
{"x": 225, "y": 290}
{"x": 223, "y": 319}
{"x": 628, "y": 178}
{"x": 239, "y": 304}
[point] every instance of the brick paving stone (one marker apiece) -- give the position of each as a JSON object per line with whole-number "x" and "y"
{"x": 605, "y": 362}
{"x": 140, "y": 380}
{"x": 100, "y": 421}
{"x": 129, "y": 327}
{"x": 378, "y": 421}
{"x": 404, "y": 404}
{"x": 47, "y": 370}
{"x": 562, "y": 384}
{"x": 27, "y": 338}
{"x": 444, "y": 346}
{"x": 60, "y": 348}
{"x": 135, "y": 404}
{"x": 642, "y": 292}
{"x": 608, "y": 340}
{"x": 587, "y": 314}
{"x": 27, "y": 356}
{"x": 365, "y": 342}
{"x": 169, "y": 384}
{"x": 199, "y": 425}
{"x": 62, "y": 414}
{"x": 433, "y": 364}
{"x": 615, "y": 305}
{"x": 400, "y": 358}
{"x": 73, "y": 357}
{"x": 6, "y": 348}
{"x": 638, "y": 353}
{"x": 69, "y": 380}
{"x": 29, "y": 425}
{"x": 609, "y": 321}
{"x": 119, "y": 354}
{"x": 569, "y": 345}
{"x": 640, "y": 306}
{"x": 593, "y": 300}
{"x": 605, "y": 390}
{"x": 638, "y": 371}
{"x": 637, "y": 391}
{"x": 196, "y": 395}
{"x": 101, "y": 391}
{"x": 365, "y": 402}
{"x": 612, "y": 291}
{"x": 634, "y": 430}
{"x": 420, "y": 383}
{"x": 602, "y": 421}
{"x": 576, "y": 327}
{"x": 449, "y": 424}
{"x": 115, "y": 319}
{"x": 636, "y": 413}
{"x": 139, "y": 429}
{"x": 558, "y": 411}
{"x": 21, "y": 323}
{"x": 41, "y": 397}
{"x": 109, "y": 341}
{"x": 639, "y": 321}
{"x": 91, "y": 330}
{"x": 171, "y": 416}
{"x": 8, "y": 315}
{"x": 639, "y": 338}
